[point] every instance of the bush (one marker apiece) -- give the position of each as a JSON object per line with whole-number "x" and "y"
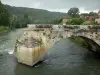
{"x": 76, "y": 21}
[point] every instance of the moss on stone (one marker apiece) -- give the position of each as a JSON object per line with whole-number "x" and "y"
{"x": 19, "y": 42}
{"x": 79, "y": 41}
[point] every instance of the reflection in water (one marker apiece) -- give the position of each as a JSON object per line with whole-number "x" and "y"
{"x": 64, "y": 58}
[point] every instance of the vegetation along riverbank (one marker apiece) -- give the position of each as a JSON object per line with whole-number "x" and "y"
{"x": 3, "y": 29}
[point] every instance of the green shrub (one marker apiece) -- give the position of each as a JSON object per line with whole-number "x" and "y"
{"x": 75, "y": 21}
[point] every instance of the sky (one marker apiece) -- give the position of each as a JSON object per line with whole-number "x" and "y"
{"x": 85, "y": 6}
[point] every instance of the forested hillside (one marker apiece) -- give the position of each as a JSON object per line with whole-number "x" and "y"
{"x": 35, "y": 15}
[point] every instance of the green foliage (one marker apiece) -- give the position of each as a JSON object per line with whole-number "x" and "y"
{"x": 56, "y": 21}
{"x": 8, "y": 19}
{"x": 75, "y": 21}
{"x": 4, "y": 15}
{"x": 3, "y": 29}
{"x": 60, "y": 20}
{"x": 36, "y": 16}
{"x": 73, "y": 12}
{"x": 93, "y": 14}
{"x": 90, "y": 23}
{"x": 16, "y": 22}
{"x": 94, "y": 23}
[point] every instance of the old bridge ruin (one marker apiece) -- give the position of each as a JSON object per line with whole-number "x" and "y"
{"x": 38, "y": 38}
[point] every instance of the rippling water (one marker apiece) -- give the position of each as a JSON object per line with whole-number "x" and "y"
{"x": 64, "y": 58}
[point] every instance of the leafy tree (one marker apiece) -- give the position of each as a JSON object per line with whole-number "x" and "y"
{"x": 60, "y": 20}
{"x": 73, "y": 12}
{"x": 17, "y": 22}
{"x": 4, "y": 15}
{"x": 13, "y": 21}
{"x": 56, "y": 21}
{"x": 26, "y": 20}
{"x": 93, "y": 14}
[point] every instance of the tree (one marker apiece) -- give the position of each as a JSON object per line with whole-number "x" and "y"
{"x": 14, "y": 22}
{"x": 4, "y": 15}
{"x": 55, "y": 21}
{"x": 73, "y": 12}
{"x": 93, "y": 14}
{"x": 26, "y": 20}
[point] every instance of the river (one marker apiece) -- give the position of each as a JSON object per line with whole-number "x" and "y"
{"x": 64, "y": 58}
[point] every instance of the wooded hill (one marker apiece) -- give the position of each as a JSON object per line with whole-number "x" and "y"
{"x": 35, "y": 15}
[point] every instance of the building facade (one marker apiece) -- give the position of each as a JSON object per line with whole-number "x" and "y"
{"x": 98, "y": 19}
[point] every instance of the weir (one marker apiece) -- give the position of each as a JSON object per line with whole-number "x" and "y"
{"x": 37, "y": 39}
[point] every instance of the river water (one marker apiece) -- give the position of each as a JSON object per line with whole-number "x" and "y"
{"x": 64, "y": 58}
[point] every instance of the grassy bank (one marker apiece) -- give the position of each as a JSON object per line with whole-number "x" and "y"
{"x": 79, "y": 41}
{"x": 3, "y": 29}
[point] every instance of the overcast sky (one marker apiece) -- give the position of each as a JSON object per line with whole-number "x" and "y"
{"x": 57, "y": 5}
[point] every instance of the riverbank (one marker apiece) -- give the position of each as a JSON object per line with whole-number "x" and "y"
{"x": 3, "y": 29}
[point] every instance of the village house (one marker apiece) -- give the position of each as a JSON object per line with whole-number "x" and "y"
{"x": 98, "y": 19}
{"x": 65, "y": 20}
